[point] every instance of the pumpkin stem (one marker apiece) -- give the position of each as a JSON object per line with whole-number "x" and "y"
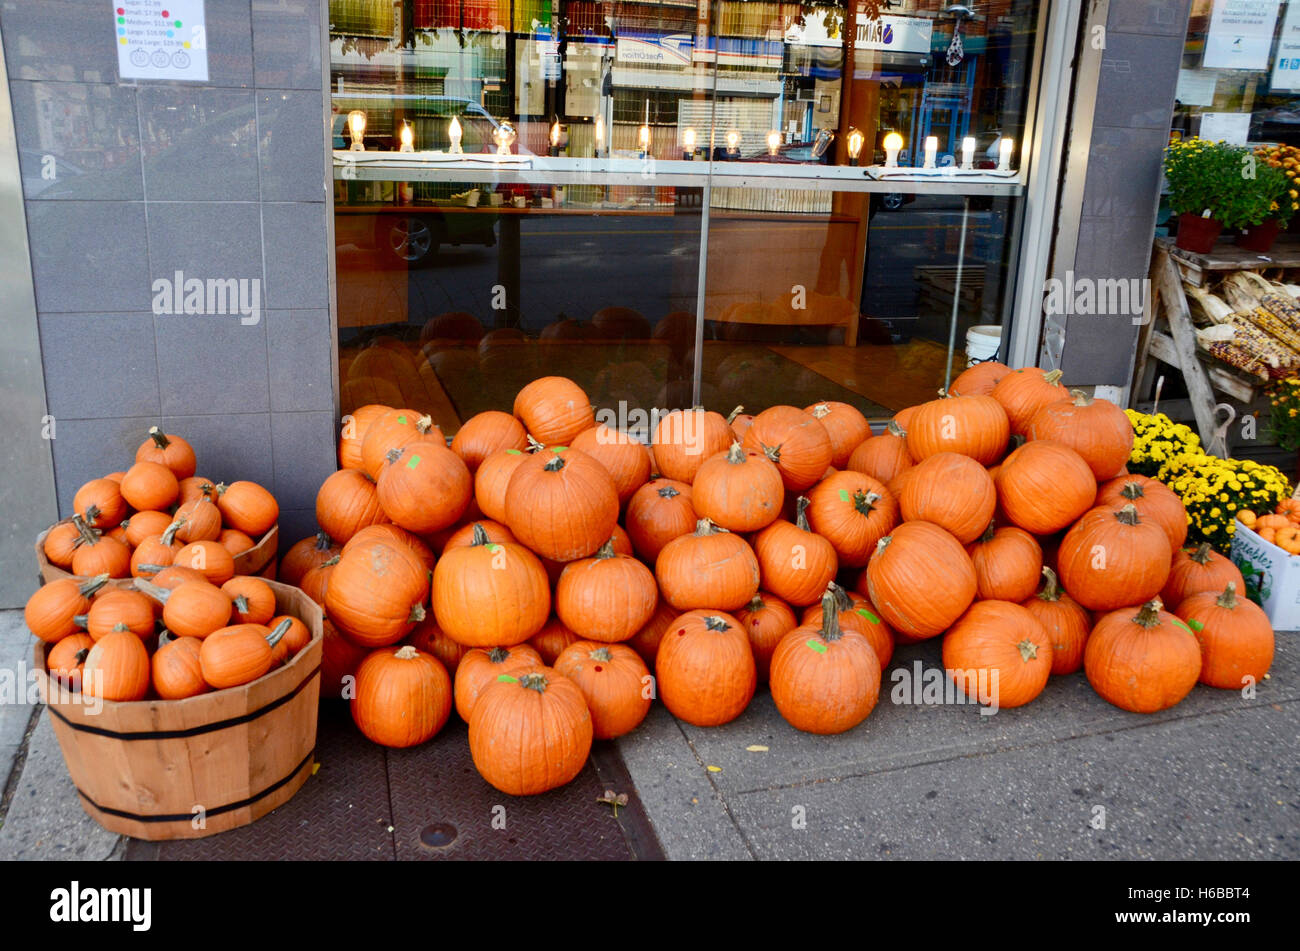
{"x": 207, "y": 489}
{"x": 989, "y": 532}
{"x": 417, "y": 613}
{"x": 241, "y": 604}
{"x": 842, "y": 600}
{"x": 735, "y": 455}
{"x": 169, "y": 533}
{"x": 91, "y": 585}
{"x": 88, "y": 535}
{"x": 821, "y": 411}
{"x": 1132, "y": 491}
{"x": 120, "y": 627}
{"x": 894, "y": 429}
{"x": 1229, "y": 597}
{"x": 533, "y": 681}
{"x": 731, "y": 417}
{"x": 80, "y": 620}
{"x": 883, "y": 543}
{"x": 80, "y": 656}
{"x": 715, "y": 623}
{"x": 668, "y": 492}
{"x": 830, "y": 630}
{"x": 323, "y": 541}
{"x": 92, "y": 514}
{"x": 406, "y": 652}
{"x": 165, "y": 637}
{"x": 221, "y": 488}
{"x": 159, "y": 437}
{"x": 149, "y": 570}
{"x": 1149, "y": 615}
{"x": 706, "y": 527}
{"x": 392, "y": 456}
{"x": 865, "y": 502}
{"x": 155, "y": 591}
{"x": 423, "y": 425}
{"x": 280, "y": 630}
{"x": 1053, "y": 377}
{"x": 498, "y": 655}
{"x": 332, "y": 562}
{"x": 479, "y": 536}
{"x": 555, "y": 463}
{"x": 533, "y": 444}
{"x": 606, "y": 550}
{"x": 1051, "y": 586}
{"x": 1028, "y": 650}
{"x": 801, "y": 512}
{"x": 1202, "y": 554}
{"x": 756, "y": 604}
{"x": 1128, "y": 515}
{"x": 601, "y": 654}
{"x": 1081, "y": 398}
{"x": 772, "y": 452}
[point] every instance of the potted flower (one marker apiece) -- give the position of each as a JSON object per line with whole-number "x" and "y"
{"x": 1275, "y": 180}
{"x": 1213, "y": 186}
{"x": 1284, "y": 396}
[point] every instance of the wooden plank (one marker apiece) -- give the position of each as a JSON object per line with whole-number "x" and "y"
{"x": 1149, "y": 312}
{"x": 1184, "y": 338}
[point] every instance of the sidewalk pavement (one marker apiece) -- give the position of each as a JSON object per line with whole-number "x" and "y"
{"x": 1068, "y": 776}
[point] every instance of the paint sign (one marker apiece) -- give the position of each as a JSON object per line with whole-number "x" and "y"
{"x": 1240, "y": 34}
{"x": 894, "y": 33}
{"x": 161, "y": 39}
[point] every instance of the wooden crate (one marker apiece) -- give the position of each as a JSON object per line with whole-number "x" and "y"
{"x": 258, "y": 560}
{"x": 146, "y": 769}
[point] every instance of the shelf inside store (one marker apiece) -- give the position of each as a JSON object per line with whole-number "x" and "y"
{"x": 539, "y": 170}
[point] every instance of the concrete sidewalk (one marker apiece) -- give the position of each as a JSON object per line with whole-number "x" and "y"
{"x": 1068, "y": 776}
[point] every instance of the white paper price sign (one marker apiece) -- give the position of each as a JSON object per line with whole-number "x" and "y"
{"x": 161, "y": 39}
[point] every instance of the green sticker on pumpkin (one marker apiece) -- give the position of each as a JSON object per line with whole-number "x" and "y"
{"x": 844, "y": 495}
{"x": 402, "y": 419}
{"x": 816, "y": 645}
{"x": 1196, "y": 625}
{"x": 514, "y": 452}
{"x": 558, "y": 449}
{"x": 507, "y": 679}
{"x": 492, "y": 547}
{"x": 869, "y": 616}
{"x": 414, "y": 461}
{"x": 1182, "y": 625}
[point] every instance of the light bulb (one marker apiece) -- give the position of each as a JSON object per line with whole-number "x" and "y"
{"x": 643, "y": 138}
{"x": 454, "y": 133}
{"x": 893, "y": 145}
{"x": 600, "y": 133}
{"x": 931, "y": 150}
{"x": 688, "y": 140}
{"x": 555, "y": 134}
{"x": 733, "y": 141}
{"x": 505, "y": 136}
{"x": 773, "y": 141}
{"x": 408, "y": 138}
{"x": 357, "y": 126}
{"x": 1004, "y": 155}
{"x": 854, "y": 144}
{"x": 968, "y": 152}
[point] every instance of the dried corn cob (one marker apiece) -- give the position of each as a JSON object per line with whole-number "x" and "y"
{"x": 1215, "y": 309}
{"x": 1282, "y": 323}
{"x": 1252, "y": 336}
{"x": 1239, "y": 357}
{"x": 1240, "y": 294}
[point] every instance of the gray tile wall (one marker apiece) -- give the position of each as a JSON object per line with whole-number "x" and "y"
{"x": 127, "y": 182}
{"x": 1135, "y": 99}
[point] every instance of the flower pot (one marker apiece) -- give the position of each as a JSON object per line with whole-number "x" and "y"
{"x": 1259, "y": 237}
{"x": 1197, "y": 234}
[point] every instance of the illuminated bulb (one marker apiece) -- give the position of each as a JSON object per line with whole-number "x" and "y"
{"x": 733, "y": 141}
{"x": 454, "y": 133}
{"x": 643, "y": 138}
{"x": 357, "y": 126}
{"x": 1004, "y": 156}
{"x": 931, "y": 150}
{"x": 854, "y": 144}
{"x": 600, "y": 134}
{"x": 505, "y": 136}
{"x": 555, "y": 134}
{"x": 773, "y": 141}
{"x": 688, "y": 140}
{"x": 408, "y": 138}
{"x": 968, "y": 152}
{"x": 893, "y": 145}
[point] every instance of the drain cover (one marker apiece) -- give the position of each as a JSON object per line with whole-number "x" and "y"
{"x": 440, "y": 835}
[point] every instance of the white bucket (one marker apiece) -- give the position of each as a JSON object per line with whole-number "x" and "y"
{"x": 982, "y": 342}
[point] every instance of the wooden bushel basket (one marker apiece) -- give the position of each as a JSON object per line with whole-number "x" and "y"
{"x": 258, "y": 560}
{"x": 185, "y": 769}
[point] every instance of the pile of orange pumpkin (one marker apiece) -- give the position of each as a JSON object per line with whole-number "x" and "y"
{"x": 534, "y": 572}
{"x": 187, "y": 623}
{"x": 1281, "y": 527}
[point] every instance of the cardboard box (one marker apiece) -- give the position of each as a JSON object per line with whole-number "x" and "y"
{"x": 1272, "y": 577}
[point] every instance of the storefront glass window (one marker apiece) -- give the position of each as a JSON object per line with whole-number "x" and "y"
{"x": 673, "y": 202}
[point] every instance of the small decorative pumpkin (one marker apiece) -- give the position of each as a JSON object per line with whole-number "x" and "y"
{"x": 198, "y": 520}
{"x": 1066, "y": 621}
{"x": 1096, "y": 429}
{"x": 683, "y": 439}
{"x": 1024, "y": 392}
{"x": 552, "y": 639}
{"x": 1153, "y": 500}
{"x": 952, "y": 491}
{"x": 1111, "y": 559}
{"x": 490, "y": 594}
{"x": 554, "y": 409}
{"x": 295, "y": 638}
{"x": 236, "y": 542}
{"x": 711, "y": 568}
{"x": 116, "y": 668}
{"x": 998, "y": 653}
{"x": 393, "y": 430}
{"x": 424, "y": 486}
{"x": 61, "y": 543}
{"x": 209, "y": 559}
{"x": 119, "y": 609}
{"x": 845, "y": 425}
{"x": 346, "y": 503}
{"x": 403, "y": 697}
{"x": 195, "y": 487}
{"x": 853, "y": 512}
{"x": 531, "y": 733}
{"x": 463, "y": 537}
{"x": 177, "y": 671}
{"x": 339, "y": 660}
{"x": 796, "y": 441}
{"x": 1235, "y": 635}
{"x": 239, "y": 654}
{"x": 492, "y": 479}
{"x": 479, "y": 667}
{"x": 705, "y": 668}
{"x": 99, "y": 502}
{"x": 921, "y": 579}
{"x": 825, "y": 679}
{"x": 562, "y": 504}
{"x": 646, "y": 641}
{"x": 1196, "y": 571}
{"x": 191, "y": 609}
{"x": 1044, "y": 486}
{"x": 377, "y": 593}
{"x": 658, "y": 512}
{"x": 427, "y": 636}
{"x": 393, "y": 535}
{"x": 67, "y": 659}
{"x": 794, "y": 562}
{"x": 51, "y": 612}
{"x": 96, "y": 554}
{"x": 856, "y": 614}
{"x": 253, "y": 600}
{"x": 315, "y": 583}
{"x": 142, "y": 525}
{"x": 974, "y": 426}
{"x": 168, "y": 450}
{"x": 156, "y": 552}
{"x": 738, "y": 490}
{"x": 248, "y": 507}
{"x": 1008, "y": 562}
{"x": 882, "y": 457}
{"x": 624, "y": 457}
{"x": 766, "y": 619}
{"x": 305, "y": 555}
{"x": 485, "y": 433}
{"x": 355, "y": 425}
{"x": 606, "y": 598}
{"x": 613, "y": 680}
{"x": 978, "y": 380}
{"x": 1142, "y": 659}
{"x": 150, "y": 485}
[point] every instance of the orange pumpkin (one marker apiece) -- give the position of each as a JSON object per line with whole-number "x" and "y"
{"x": 1024, "y": 392}
{"x": 845, "y": 425}
{"x": 51, "y": 612}
{"x": 738, "y": 490}
{"x": 1235, "y": 635}
{"x": 97, "y": 554}
{"x": 998, "y": 652}
{"x": 485, "y": 433}
{"x": 794, "y": 562}
{"x": 562, "y": 504}
{"x": 683, "y": 439}
{"x": 116, "y": 668}
{"x": 882, "y": 457}
{"x": 198, "y": 520}
{"x": 1008, "y": 562}
{"x": 921, "y": 579}
{"x": 424, "y": 486}
{"x": 552, "y": 639}
{"x": 480, "y": 667}
{"x": 377, "y": 593}
{"x": 554, "y": 409}
{"x": 490, "y": 594}
{"x": 1066, "y": 621}
{"x": 711, "y": 568}
{"x": 61, "y": 544}
{"x": 67, "y": 659}
{"x": 853, "y": 512}
{"x": 1111, "y": 558}
{"x": 176, "y": 669}
{"x": 974, "y": 426}
{"x": 796, "y": 441}
{"x": 614, "y": 681}
{"x": 208, "y": 558}
{"x": 169, "y": 450}
{"x": 952, "y": 491}
{"x": 1153, "y": 500}
{"x": 658, "y": 512}
{"x": 99, "y": 502}
{"x": 1142, "y": 659}
{"x": 1096, "y": 429}
{"x": 141, "y": 525}
{"x": 766, "y": 619}
{"x": 428, "y": 637}
{"x": 253, "y": 599}
{"x": 305, "y": 555}
{"x": 295, "y": 638}
{"x": 393, "y": 430}
{"x": 150, "y": 485}
{"x": 705, "y": 668}
{"x": 607, "y": 597}
{"x": 355, "y": 425}
{"x": 403, "y": 697}
{"x": 464, "y": 536}
{"x": 248, "y": 507}
{"x": 856, "y": 614}
{"x": 624, "y": 457}
{"x": 978, "y": 380}
{"x": 346, "y": 503}
{"x": 239, "y": 654}
{"x": 1202, "y": 569}
{"x": 191, "y": 609}
{"x": 119, "y": 609}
